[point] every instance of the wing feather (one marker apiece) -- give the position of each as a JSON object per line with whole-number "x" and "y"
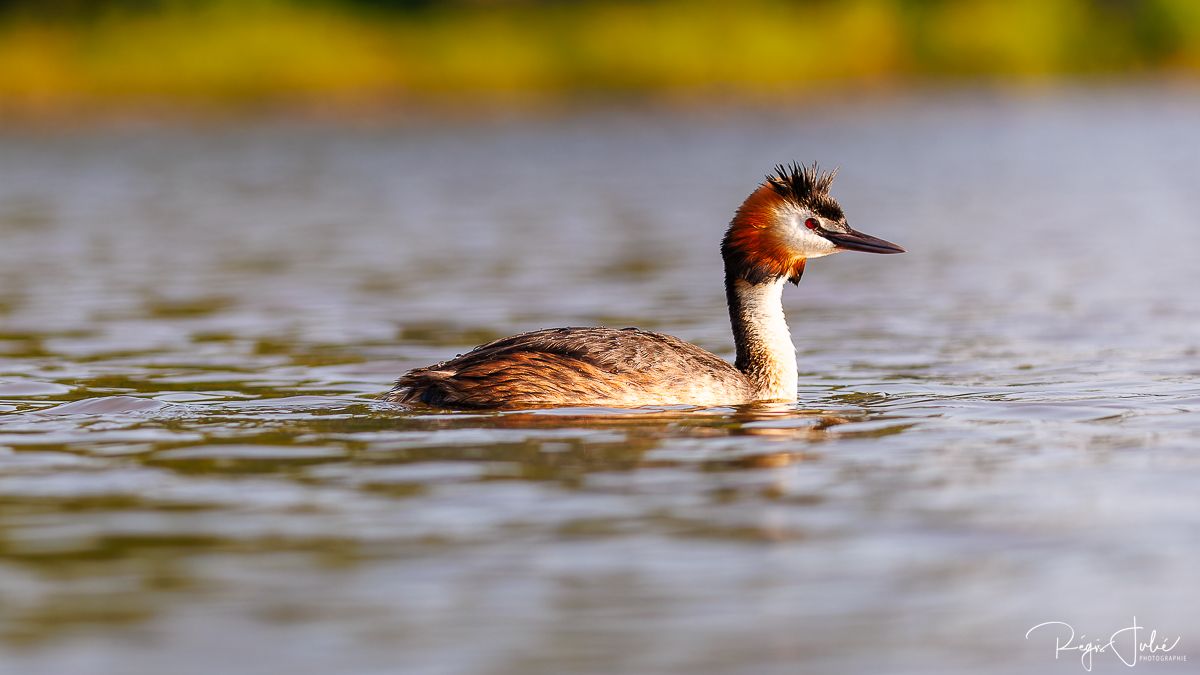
{"x": 575, "y": 366}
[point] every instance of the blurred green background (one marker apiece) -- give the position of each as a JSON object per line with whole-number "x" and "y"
{"x": 95, "y": 54}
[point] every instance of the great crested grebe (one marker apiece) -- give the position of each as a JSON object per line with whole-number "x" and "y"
{"x": 790, "y": 218}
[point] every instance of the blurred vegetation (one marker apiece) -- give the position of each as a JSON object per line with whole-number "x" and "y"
{"x": 80, "y": 53}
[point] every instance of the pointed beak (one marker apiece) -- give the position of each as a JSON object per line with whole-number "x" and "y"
{"x": 853, "y": 240}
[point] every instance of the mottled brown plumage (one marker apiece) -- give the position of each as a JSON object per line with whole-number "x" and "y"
{"x": 585, "y": 366}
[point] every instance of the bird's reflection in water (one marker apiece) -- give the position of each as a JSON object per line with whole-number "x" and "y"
{"x": 641, "y": 431}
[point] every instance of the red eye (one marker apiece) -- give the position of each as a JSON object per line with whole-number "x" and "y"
{"x": 811, "y": 223}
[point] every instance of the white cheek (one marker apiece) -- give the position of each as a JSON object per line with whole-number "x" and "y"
{"x": 806, "y": 242}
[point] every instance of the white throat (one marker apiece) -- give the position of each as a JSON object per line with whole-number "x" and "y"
{"x": 765, "y": 352}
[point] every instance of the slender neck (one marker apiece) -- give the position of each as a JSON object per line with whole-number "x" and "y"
{"x": 765, "y": 353}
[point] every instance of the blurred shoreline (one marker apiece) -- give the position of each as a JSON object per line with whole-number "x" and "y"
{"x": 446, "y": 111}
{"x": 219, "y": 59}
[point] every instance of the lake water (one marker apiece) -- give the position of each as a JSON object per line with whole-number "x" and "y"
{"x": 998, "y": 429}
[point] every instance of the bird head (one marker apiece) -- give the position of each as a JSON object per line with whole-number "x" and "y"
{"x": 789, "y": 219}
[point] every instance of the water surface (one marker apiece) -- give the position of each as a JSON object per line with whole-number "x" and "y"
{"x": 998, "y": 429}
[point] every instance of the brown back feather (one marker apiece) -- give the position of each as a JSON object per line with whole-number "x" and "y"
{"x": 582, "y": 366}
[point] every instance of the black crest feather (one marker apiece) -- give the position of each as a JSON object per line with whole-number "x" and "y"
{"x": 807, "y": 186}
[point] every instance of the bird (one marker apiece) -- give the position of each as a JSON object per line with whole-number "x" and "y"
{"x": 787, "y": 220}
